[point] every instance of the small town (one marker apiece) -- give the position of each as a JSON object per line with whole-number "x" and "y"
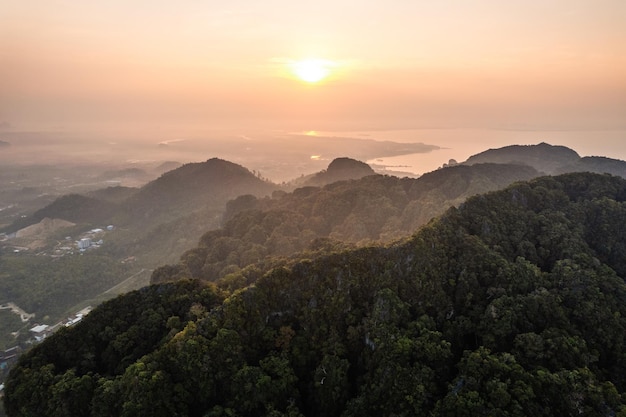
{"x": 38, "y": 333}
{"x": 31, "y": 239}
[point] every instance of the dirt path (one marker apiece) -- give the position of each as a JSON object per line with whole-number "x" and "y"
{"x": 130, "y": 283}
{"x": 24, "y": 316}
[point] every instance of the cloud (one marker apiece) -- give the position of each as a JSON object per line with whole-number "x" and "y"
{"x": 167, "y": 142}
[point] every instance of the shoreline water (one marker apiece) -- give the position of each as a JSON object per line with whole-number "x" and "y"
{"x": 281, "y": 152}
{"x": 460, "y": 144}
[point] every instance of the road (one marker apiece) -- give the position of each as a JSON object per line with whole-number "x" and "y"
{"x": 126, "y": 282}
{"x": 24, "y": 316}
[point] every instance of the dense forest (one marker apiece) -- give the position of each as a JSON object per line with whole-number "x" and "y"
{"x": 373, "y": 209}
{"x": 549, "y": 159}
{"x": 512, "y": 304}
{"x": 177, "y": 193}
{"x": 157, "y": 223}
{"x": 36, "y": 284}
{"x": 152, "y": 224}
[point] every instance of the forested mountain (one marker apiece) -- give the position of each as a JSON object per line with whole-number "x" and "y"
{"x": 168, "y": 215}
{"x": 192, "y": 187}
{"x": 373, "y": 209}
{"x": 543, "y": 157}
{"x": 513, "y": 304}
{"x": 167, "y": 166}
{"x": 116, "y": 194}
{"x": 550, "y": 159}
{"x": 154, "y": 225}
{"x": 340, "y": 169}
{"x": 163, "y": 218}
{"x": 74, "y": 208}
{"x": 43, "y": 271}
{"x": 598, "y": 164}
{"x": 175, "y": 194}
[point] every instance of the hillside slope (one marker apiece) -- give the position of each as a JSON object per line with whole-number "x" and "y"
{"x": 543, "y": 157}
{"x": 192, "y": 187}
{"x": 597, "y": 164}
{"x": 550, "y": 159}
{"x": 512, "y": 304}
{"x": 176, "y": 193}
{"x": 375, "y": 208}
{"x": 340, "y": 169}
{"x": 73, "y": 208}
{"x": 151, "y": 226}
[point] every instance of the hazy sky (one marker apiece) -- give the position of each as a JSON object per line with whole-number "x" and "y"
{"x": 118, "y": 64}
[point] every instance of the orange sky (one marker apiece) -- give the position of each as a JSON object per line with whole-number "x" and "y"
{"x": 117, "y": 64}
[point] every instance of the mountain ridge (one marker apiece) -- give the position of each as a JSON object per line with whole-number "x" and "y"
{"x": 512, "y": 303}
{"x": 339, "y": 169}
{"x": 550, "y": 159}
{"x": 261, "y": 231}
{"x": 359, "y": 212}
{"x": 75, "y": 208}
{"x": 543, "y": 156}
{"x": 194, "y": 186}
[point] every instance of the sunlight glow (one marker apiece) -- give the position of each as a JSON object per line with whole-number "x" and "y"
{"x": 312, "y": 70}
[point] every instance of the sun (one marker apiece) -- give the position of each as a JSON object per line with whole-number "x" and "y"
{"x": 312, "y": 70}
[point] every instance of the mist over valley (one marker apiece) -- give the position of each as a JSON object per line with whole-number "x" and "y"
{"x": 303, "y": 209}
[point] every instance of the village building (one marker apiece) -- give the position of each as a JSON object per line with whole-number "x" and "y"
{"x": 40, "y": 332}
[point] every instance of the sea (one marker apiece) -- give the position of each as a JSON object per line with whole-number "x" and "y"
{"x": 460, "y": 144}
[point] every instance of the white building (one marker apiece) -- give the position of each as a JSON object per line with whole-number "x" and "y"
{"x": 84, "y": 243}
{"x": 40, "y": 332}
